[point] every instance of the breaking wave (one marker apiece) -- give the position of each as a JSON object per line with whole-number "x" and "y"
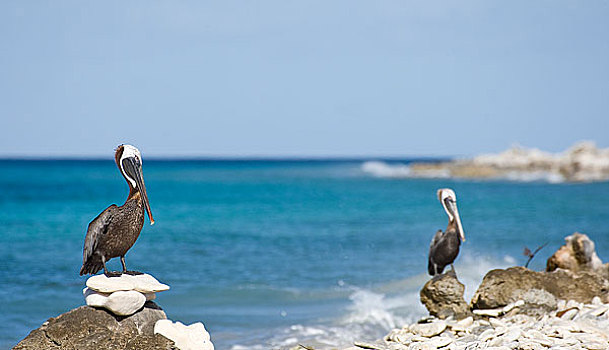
{"x": 372, "y": 312}
{"x": 382, "y": 169}
{"x": 386, "y": 170}
{"x": 535, "y": 176}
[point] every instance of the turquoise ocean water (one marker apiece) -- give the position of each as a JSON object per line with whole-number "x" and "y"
{"x": 269, "y": 254}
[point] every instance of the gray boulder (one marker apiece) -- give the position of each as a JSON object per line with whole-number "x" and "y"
{"x": 501, "y": 287}
{"x": 443, "y": 296}
{"x": 87, "y": 327}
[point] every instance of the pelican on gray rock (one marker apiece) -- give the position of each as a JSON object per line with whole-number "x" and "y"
{"x": 444, "y": 246}
{"x": 113, "y": 232}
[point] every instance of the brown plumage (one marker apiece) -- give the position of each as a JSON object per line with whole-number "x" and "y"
{"x": 444, "y": 247}
{"x": 113, "y": 232}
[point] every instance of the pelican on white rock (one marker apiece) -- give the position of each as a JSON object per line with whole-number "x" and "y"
{"x": 113, "y": 232}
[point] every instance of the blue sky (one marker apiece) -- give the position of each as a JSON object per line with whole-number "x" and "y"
{"x": 301, "y": 78}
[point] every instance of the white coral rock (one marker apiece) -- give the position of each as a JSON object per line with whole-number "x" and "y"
{"x": 192, "y": 337}
{"x": 144, "y": 283}
{"x": 122, "y": 303}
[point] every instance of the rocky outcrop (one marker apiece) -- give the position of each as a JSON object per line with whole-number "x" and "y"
{"x": 443, "y": 297}
{"x": 577, "y": 254}
{"x": 90, "y": 328}
{"x": 516, "y": 308}
{"x": 502, "y": 287}
{"x": 583, "y": 162}
{"x": 119, "y": 315}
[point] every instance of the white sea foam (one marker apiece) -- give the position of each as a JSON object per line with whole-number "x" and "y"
{"x": 385, "y": 170}
{"x": 531, "y": 176}
{"x": 382, "y": 169}
{"x": 396, "y": 171}
{"x": 373, "y": 312}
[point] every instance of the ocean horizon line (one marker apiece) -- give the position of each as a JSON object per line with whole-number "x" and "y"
{"x": 221, "y": 158}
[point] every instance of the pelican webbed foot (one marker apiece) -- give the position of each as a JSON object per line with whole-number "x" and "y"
{"x": 133, "y": 273}
{"x": 113, "y": 273}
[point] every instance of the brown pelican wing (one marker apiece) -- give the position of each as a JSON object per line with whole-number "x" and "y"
{"x": 431, "y": 265}
{"x": 436, "y": 238}
{"x": 97, "y": 228}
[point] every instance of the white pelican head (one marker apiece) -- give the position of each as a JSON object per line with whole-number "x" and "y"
{"x": 448, "y": 198}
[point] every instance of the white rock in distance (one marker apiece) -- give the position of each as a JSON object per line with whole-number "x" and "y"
{"x": 122, "y": 303}
{"x": 144, "y": 283}
{"x": 192, "y": 337}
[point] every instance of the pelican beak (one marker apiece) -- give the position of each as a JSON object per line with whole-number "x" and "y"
{"x": 134, "y": 169}
{"x": 452, "y": 206}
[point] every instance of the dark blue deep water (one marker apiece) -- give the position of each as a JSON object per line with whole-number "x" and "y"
{"x": 268, "y": 254}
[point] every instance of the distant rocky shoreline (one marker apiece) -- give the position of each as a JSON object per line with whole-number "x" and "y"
{"x": 583, "y": 162}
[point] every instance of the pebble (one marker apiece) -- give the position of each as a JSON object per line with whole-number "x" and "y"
{"x": 428, "y": 329}
{"x": 594, "y": 345}
{"x": 510, "y": 306}
{"x": 599, "y": 310}
{"x": 483, "y": 323}
{"x": 488, "y": 312}
{"x": 466, "y": 322}
{"x": 573, "y": 326}
{"x": 403, "y": 337}
{"x": 487, "y": 334}
{"x": 496, "y": 323}
{"x": 544, "y": 341}
{"x": 573, "y": 303}
{"x": 440, "y": 342}
{"x": 569, "y": 314}
{"x": 512, "y": 334}
{"x": 419, "y": 338}
{"x": 500, "y": 331}
{"x": 534, "y": 334}
{"x": 565, "y": 342}
{"x": 530, "y": 346}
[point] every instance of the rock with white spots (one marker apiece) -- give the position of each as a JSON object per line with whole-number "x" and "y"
{"x": 191, "y": 337}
